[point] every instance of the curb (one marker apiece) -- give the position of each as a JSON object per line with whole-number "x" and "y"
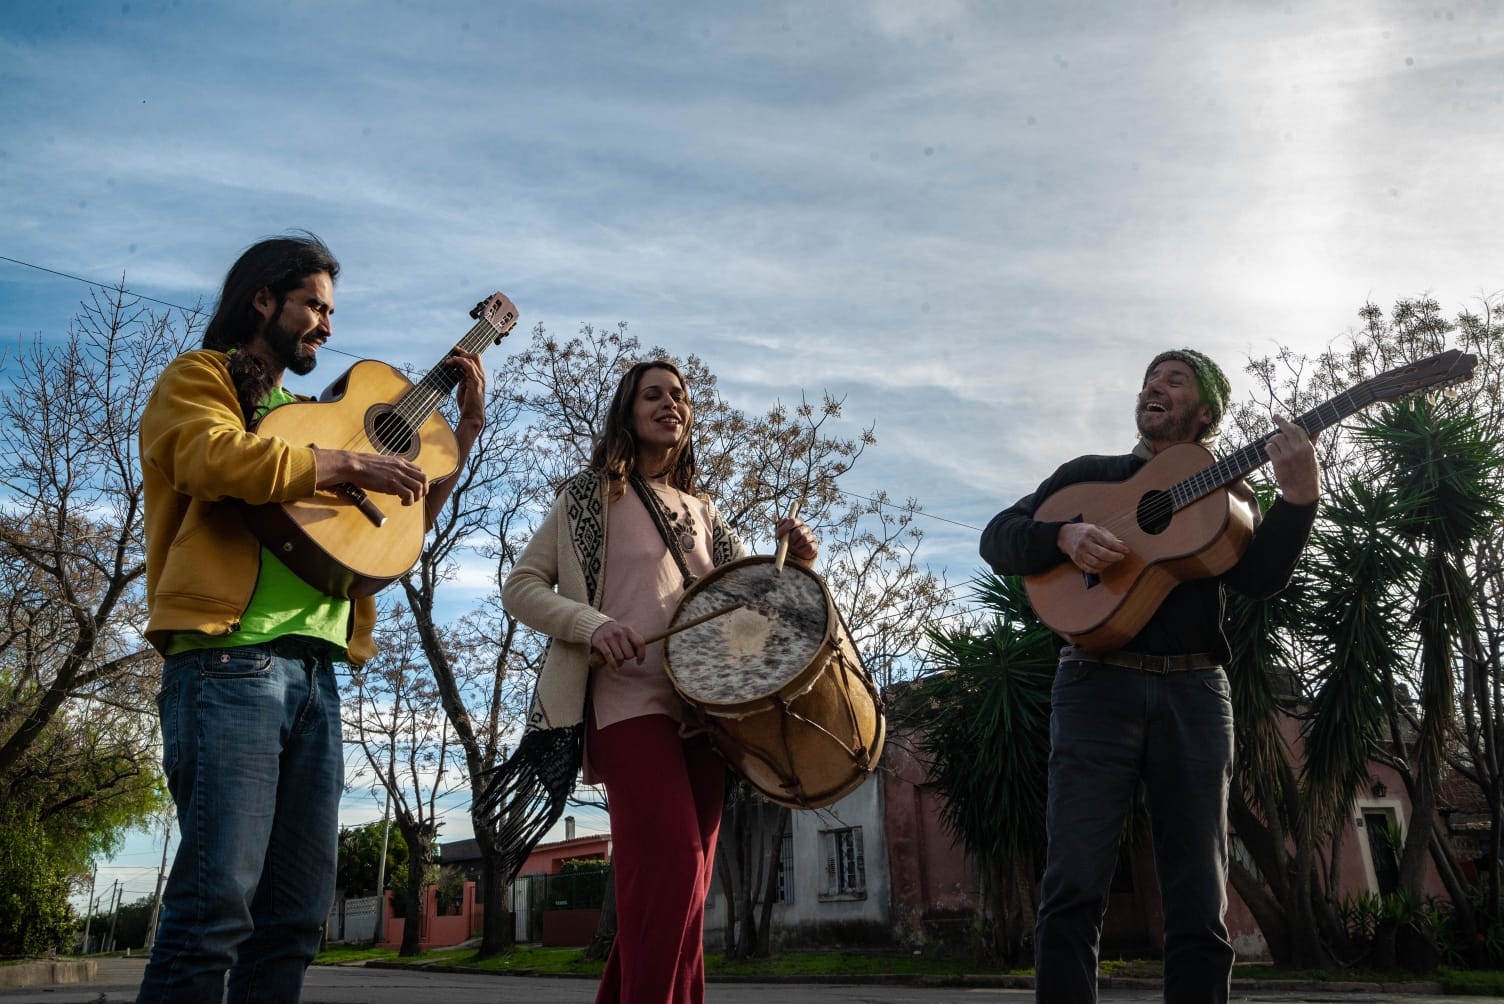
{"x": 1416, "y": 988}
{"x": 46, "y": 974}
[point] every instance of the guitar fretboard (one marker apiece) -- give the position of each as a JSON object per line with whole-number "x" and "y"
{"x": 1256, "y": 454}
{"x": 425, "y": 395}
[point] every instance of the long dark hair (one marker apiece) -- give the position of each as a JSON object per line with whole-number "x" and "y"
{"x": 278, "y": 265}
{"x": 615, "y": 453}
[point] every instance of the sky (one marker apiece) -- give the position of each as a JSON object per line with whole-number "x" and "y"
{"x": 974, "y": 222}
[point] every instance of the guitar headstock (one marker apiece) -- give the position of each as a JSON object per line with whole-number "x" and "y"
{"x": 1452, "y": 366}
{"x": 498, "y": 311}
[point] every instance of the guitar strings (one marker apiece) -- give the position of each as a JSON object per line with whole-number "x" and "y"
{"x": 414, "y": 406}
{"x": 1161, "y": 509}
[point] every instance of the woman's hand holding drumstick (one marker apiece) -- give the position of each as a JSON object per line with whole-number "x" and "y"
{"x": 794, "y": 537}
{"x": 614, "y": 642}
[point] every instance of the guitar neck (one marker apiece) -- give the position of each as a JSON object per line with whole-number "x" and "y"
{"x": 1256, "y": 454}
{"x": 439, "y": 382}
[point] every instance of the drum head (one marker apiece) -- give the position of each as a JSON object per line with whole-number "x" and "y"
{"x": 755, "y": 651}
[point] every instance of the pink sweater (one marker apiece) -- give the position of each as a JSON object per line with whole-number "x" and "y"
{"x": 643, "y": 587}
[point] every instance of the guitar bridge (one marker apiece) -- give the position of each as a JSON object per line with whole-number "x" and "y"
{"x": 362, "y": 502}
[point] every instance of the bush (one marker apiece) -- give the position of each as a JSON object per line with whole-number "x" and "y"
{"x": 34, "y": 914}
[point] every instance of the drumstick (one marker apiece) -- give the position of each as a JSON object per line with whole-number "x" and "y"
{"x": 597, "y": 659}
{"x": 783, "y": 545}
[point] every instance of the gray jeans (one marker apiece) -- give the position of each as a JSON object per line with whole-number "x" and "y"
{"x": 1111, "y": 727}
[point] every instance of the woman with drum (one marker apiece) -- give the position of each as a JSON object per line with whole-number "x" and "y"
{"x": 605, "y": 570}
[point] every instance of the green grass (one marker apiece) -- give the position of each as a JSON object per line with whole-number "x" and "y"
{"x": 531, "y": 959}
{"x": 1483, "y": 983}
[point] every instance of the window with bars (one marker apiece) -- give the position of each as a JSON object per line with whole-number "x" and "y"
{"x": 845, "y": 869}
{"x": 785, "y": 870}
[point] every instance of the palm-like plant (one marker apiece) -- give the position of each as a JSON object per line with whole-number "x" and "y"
{"x": 1375, "y": 614}
{"x": 1442, "y": 467}
{"x": 984, "y": 721}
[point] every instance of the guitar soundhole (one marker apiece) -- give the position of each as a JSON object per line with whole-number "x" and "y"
{"x": 390, "y": 432}
{"x": 1154, "y": 512}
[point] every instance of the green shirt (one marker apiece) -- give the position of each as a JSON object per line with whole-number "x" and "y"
{"x": 282, "y": 604}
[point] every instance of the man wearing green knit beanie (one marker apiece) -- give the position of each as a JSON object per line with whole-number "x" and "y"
{"x": 1155, "y": 709}
{"x": 1210, "y": 381}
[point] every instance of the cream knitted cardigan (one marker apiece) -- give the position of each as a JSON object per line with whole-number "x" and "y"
{"x": 568, "y": 551}
{"x": 554, "y": 588}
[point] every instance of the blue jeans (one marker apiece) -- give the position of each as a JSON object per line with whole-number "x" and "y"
{"x": 1110, "y": 728}
{"x": 251, "y": 749}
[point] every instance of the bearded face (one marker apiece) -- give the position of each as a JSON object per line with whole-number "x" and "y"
{"x": 291, "y": 349}
{"x": 1169, "y": 408}
{"x": 295, "y": 326}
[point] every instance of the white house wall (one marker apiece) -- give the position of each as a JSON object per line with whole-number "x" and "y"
{"x": 813, "y": 918}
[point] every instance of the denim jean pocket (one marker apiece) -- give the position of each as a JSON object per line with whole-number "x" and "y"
{"x": 167, "y": 714}
{"x": 1068, "y": 677}
{"x": 1216, "y": 681}
{"x": 1070, "y": 674}
{"x": 235, "y": 663}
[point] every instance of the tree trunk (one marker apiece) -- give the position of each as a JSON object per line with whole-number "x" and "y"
{"x": 605, "y": 929}
{"x": 1463, "y": 915}
{"x": 498, "y": 933}
{"x": 764, "y": 946}
{"x": 412, "y": 926}
{"x": 728, "y": 921}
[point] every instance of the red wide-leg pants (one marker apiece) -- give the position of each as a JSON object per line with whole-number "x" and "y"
{"x": 665, "y": 795}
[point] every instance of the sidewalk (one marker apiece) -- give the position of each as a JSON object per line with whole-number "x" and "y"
{"x": 114, "y": 981}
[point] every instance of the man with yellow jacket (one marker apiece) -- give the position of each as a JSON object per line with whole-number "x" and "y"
{"x": 251, "y": 741}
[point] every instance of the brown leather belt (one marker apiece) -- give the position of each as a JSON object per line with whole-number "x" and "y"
{"x": 1143, "y": 661}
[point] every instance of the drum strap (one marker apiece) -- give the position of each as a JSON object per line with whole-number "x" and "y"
{"x": 661, "y": 519}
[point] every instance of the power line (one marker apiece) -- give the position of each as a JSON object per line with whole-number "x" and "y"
{"x": 140, "y": 296}
{"x": 916, "y": 512}
{"x": 328, "y": 348}
{"x": 101, "y": 285}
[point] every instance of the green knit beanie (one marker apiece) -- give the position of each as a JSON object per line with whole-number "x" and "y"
{"x": 1210, "y": 380}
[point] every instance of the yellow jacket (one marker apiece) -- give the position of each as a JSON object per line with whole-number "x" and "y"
{"x": 197, "y": 458}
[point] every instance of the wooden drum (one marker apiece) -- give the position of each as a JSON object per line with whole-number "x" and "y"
{"x": 778, "y": 681}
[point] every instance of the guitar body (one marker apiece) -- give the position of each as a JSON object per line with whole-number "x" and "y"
{"x": 344, "y": 540}
{"x": 1178, "y": 520}
{"x": 332, "y": 541}
{"x": 1200, "y": 540}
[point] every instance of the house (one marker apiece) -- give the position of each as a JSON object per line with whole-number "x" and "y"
{"x": 878, "y": 868}
{"x": 453, "y": 912}
{"x": 936, "y": 891}
{"x": 832, "y": 885}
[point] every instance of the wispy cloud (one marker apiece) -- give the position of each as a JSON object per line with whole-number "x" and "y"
{"x": 973, "y": 222}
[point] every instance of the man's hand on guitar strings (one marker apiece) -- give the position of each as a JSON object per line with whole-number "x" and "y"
{"x": 375, "y": 472}
{"x": 472, "y": 389}
{"x": 1090, "y": 548}
{"x": 1292, "y": 454}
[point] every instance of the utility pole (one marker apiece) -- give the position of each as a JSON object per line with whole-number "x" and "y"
{"x": 386, "y": 830}
{"x": 89, "y": 920}
{"x": 114, "y": 913}
{"x": 156, "y": 902}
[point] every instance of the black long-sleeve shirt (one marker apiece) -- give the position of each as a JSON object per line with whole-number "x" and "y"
{"x": 1190, "y": 618}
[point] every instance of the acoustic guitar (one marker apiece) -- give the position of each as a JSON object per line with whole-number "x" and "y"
{"x": 344, "y": 540}
{"x": 1180, "y": 521}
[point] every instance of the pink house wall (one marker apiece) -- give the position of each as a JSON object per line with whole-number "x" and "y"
{"x": 444, "y": 932}
{"x": 931, "y": 876}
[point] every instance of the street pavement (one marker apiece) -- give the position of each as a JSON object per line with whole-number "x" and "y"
{"x": 117, "y": 980}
